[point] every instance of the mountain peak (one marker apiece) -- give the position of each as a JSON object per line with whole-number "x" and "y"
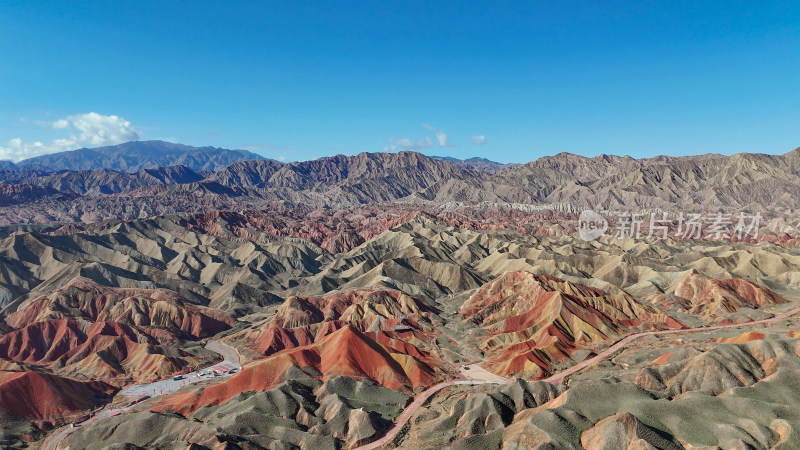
{"x": 478, "y": 164}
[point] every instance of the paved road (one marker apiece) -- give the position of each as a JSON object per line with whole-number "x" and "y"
{"x": 409, "y": 411}
{"x": 230, "y": 359}
{"x": 555, "y": 379}
{"x": 559, "y": 378}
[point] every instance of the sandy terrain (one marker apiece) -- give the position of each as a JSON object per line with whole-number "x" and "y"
{"x": 476, "y": 372}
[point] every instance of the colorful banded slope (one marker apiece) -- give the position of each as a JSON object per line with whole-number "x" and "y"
{"x": 533, "y": 321}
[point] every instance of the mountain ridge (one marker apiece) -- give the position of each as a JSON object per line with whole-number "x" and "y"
{"x": 565, "y": 182}
{"x": 136, "y": 155}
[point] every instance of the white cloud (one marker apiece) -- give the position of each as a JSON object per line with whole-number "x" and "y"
{"x": 408, "y": 144}
{"x": 89, "y": 129}
{"x": 411, "y": 144}
{"x": 441, "y": 136}
{"x": 478, "y": 139}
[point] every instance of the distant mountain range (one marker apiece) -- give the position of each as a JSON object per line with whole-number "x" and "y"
{"x": 476, "y": 163}
{"x": 7, "y": 165}
{"x": 138, "y": 155}
{"x": 134, "y": 156}
{"x": 199, "y": 182}
{"x": 104, "y": 181}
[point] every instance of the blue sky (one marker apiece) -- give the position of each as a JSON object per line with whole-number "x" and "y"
{"x": 511, "y": 81}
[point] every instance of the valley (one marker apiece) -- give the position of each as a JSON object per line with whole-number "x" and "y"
{"x": 376, "y": 325}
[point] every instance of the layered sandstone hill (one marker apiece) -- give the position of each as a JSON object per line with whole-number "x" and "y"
{"x": 346, "y": 351}
{"x": 696, "y": 395}
{"x": 82, "y": 298}
{"x": 536, "y": 320}
{"x": 696, "y": 398}
{"x": 389, "y": 311}
{"x": 37, "y": 396}
{"x": 70, "y": 347}
{"x": 715, "y": 298}
{"x": 335, "y": 231}
{"x": 224, "y": 261}
{"x": 739, "y": 362}
{"x": 383, "y": 336}
{"x": 390, "y": 317}
{"x": 475, "y": 417}
{"x": 95, "y": 350}
{"x": 380, "y": 335}
{"x": 204, "y": 269}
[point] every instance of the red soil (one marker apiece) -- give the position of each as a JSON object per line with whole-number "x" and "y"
{"x": 663, "y": 359}
{"x": 536, "y": 320}
{"x": 346, "y": 352}
{"x": 742, "y": 338}
{"x": 38, "y": 396}
{"x": 702, "y": 295}
{"x": 95, "y": 350}
{"x": 83, "y": 298}
{"x": 342, "y": 230}
{"x": 390, "y": 317}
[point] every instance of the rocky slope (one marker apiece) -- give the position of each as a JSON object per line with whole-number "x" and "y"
{"x": 107, "y": 181}
{"x": 390, "y": 317}
{"x": 301, "y": 412}
{"x": 107, "y": 351}
{"x": 18, "y": 194}
{"x": 564, "y": 182}
{"x": 388, "y": 301}
{"x": 700, "y": 395}
{"x": 533, "y": 321}
{"x": 478, "y": 164}
{"x": 247, "y": 174}
{"x": 610, "y": 182}
{"x": 82, "y": 298}
{"x": 711, "y": 298}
